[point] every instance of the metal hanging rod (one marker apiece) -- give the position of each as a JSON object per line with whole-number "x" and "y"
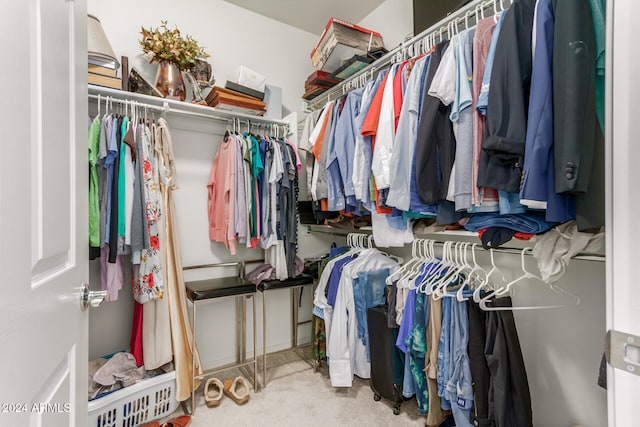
{"x": 421, "y": 43}
{"x": 177, "y": 107}
{"x": 506, "y": 250}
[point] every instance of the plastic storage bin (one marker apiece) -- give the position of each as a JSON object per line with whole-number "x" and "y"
{"x": 145, "y": 401}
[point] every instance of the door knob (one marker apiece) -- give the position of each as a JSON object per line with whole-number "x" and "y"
{"x": 91, "y": 298}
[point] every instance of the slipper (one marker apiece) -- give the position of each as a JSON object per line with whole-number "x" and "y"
{"x": 181, "y": 421}
{"x": 151, "y": 424}
{"x": 237, "y": 389}
{"x": 213, "y": 392}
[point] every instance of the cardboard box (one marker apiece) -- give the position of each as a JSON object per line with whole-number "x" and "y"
{"x": 340, "y": 41}
{"x": 247, "y": 77}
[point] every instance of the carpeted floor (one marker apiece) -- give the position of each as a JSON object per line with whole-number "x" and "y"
{"x": 297, "y": 396}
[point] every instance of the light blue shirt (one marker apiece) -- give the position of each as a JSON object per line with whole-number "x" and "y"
{"x": 462, "y": 116}
{"x": 335, "y": 196}
{"x": 346, "y": 133}
{"x": 404, "y": 145}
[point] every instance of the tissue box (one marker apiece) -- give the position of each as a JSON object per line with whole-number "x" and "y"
{"x": 247, "y": 77}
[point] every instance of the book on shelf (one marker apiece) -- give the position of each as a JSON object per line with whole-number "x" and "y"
{"x": 114, "y": 65}
{"x": 106, "y": 81}
{"x": 230, "y": 96}
{"x": 223, "y": 99}
{"x": 221, "y": 105}
{"x": 124, "y": 68}
{"x": 321, "y": 78}
{"x": 244, "y": 90}
{"x": 312, "y": 91}
{"x": 104, "y": 71}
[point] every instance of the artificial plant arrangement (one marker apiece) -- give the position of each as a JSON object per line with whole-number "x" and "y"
{"x": 164, "y": 44}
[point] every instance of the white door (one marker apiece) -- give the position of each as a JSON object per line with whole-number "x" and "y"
{"x": 623, "y": 244}
{"x": 43, "y": 213}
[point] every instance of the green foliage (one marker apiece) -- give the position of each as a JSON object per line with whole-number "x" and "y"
{"x": 164, "y": 44}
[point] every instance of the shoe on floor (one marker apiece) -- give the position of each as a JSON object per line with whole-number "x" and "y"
{"x": 237, "y": 389}
{"x": 182, "y": 421}
{"x": 213, "y": 392}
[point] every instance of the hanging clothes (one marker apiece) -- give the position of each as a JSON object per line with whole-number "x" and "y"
{"x": 483, "y": 199}
{"x": 578, "y": 139}
{"x": 538, "y": 183}
{"x": 221, "y": 192}
{"x": 348, "y": 354}
{"x": 176, "y": 293}
{"x": 509, "y": 100}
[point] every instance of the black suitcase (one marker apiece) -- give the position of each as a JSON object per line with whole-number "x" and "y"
{"x": 387, "y": 361}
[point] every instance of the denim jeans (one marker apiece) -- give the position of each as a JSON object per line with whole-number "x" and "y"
{"x": 417, "y": 349}
{"x": 444, "y": 354}
{"x": 459, "y": 389}
{"x": 408, "y": 384}
{"x": 368, "y": 291}
{"x": 530, "y": 222}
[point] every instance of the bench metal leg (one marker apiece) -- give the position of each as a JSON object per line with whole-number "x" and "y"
{"x": 264, "y": 339}
{"x": 193, "y": 359}
{"x": 255, "y": 346}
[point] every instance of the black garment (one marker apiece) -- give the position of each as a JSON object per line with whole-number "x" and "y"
{"x": 113, "y": 224}
{"x": 391, "y": 313}
{"x": 292, "y": 235}
{"x": 494, "y": 237}
{"x": 435, "y": 143}
{"x": 578, "y": 140}
{"x": 509, "y": 396}
{"x": 503, "y": 149}
{"x": 479, "y": 369}
{"x": 590, "y": 215}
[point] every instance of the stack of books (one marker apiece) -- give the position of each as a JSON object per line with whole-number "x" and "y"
{"x": 340, "y": 41}
{"x": 318, "y": 82}
{"x": 103, "y": 74}
{"x": 231, "y": 100}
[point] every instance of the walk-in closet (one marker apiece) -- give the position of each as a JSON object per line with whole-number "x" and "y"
{"x": 382, "y": 212}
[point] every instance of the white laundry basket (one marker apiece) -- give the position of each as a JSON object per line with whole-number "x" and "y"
{"x": 145, "y": 401}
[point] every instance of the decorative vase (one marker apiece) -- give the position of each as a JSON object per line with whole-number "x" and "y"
{"x": 169, "y": 81}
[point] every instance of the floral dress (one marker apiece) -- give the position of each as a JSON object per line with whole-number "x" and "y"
{"x": 149, "y": 283}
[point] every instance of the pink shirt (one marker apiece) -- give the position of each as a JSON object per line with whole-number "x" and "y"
{"x": 221, "y": 196}
{"x": 487, "y": 197}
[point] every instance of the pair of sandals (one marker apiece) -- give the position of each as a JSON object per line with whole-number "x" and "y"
{"x": 237, "y": 389}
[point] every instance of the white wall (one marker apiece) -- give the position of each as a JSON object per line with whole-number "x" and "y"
{"x": 231, "y": 35}
{"x": 393, "y": 19}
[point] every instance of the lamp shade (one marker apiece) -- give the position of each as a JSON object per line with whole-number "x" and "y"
{"x": 98, "y": 47}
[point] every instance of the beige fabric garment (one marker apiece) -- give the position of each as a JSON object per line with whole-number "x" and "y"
{"x": 175, "y": 288}
{"x": 436, "y": 416}
{"x": 156, "y": 325}
{"x": 156, "y": 333}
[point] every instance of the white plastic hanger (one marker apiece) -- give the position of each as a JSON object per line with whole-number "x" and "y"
{"x": 424, "y": 257}
{"x": 471, "y": 275}
{"x": 406, "y": 266}
{"x": 457, "y": 266}
{"x": 487, "y": 279}
{"x": 434, "y": 272}
{"x": 575, "y": 300}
